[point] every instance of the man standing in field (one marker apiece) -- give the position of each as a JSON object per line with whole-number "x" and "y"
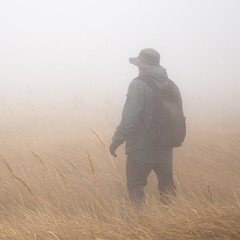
{"x": 143, "y": 155}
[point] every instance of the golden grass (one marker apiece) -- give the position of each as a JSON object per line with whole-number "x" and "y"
{"x": 63, "y": 186}
{"x": 16, "y": 177}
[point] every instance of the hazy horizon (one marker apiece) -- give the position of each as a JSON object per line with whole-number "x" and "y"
{"x": 56, "y": 54}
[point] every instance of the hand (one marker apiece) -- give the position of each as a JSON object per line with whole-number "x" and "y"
{"x": 112, "y": 149}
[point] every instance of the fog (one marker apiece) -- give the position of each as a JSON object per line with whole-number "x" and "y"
{"x": 69, "y": 55}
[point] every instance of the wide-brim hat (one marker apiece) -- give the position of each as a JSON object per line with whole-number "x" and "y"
{"x": 147, "y": 57}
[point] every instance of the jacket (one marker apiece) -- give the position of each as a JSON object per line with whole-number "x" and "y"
{"x": 137, "y": 113}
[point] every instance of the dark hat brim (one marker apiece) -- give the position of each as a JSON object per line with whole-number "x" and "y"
{"x": 137, "y": 62}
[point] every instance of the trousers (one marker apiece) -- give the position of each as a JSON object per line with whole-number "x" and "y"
{"x": 138, "y": 170}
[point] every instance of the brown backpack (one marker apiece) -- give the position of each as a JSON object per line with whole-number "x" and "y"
{"x": 168, "y": 126}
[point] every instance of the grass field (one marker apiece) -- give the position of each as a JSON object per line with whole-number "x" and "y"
{"x": 64, "y": 185}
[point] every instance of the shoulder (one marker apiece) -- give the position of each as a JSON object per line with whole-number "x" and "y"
{"x": 137, "y": 83}
{"x": 137, "y": 87}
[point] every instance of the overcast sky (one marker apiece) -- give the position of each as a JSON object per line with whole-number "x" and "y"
{"x": 54, "y": 50}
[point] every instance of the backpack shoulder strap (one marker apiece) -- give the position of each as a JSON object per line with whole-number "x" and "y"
{"x": 168, "y": 91}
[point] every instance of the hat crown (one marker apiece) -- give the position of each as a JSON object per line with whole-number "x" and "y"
{"x": 149, "y": 56}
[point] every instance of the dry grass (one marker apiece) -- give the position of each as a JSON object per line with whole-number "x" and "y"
{"x": 65, "y": 186}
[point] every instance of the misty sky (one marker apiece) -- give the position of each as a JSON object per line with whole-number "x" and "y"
{"x": 54, "y": 50}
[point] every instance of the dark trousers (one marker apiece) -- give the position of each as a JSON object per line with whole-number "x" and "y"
{"x": 137, "y": 172}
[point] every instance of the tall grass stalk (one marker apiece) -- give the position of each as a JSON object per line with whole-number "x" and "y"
{"x": 105, "y": 146}
{"x": 16, "y": 177}
{"x": 91, "y": 167}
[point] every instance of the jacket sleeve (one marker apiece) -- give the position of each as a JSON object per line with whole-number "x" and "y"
{"x": 131, "y": 112}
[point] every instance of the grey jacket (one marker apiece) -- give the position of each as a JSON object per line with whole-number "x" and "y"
{"x": 137, "y": 112}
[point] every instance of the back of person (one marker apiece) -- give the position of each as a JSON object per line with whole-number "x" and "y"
{"x": 139, "y": 98}
{"x": 167, "y": 125}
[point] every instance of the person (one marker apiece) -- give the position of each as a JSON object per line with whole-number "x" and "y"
{"x": 142, "y": 155}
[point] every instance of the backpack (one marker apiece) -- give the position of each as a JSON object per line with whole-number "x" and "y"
{"x": 168, "y": 127}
